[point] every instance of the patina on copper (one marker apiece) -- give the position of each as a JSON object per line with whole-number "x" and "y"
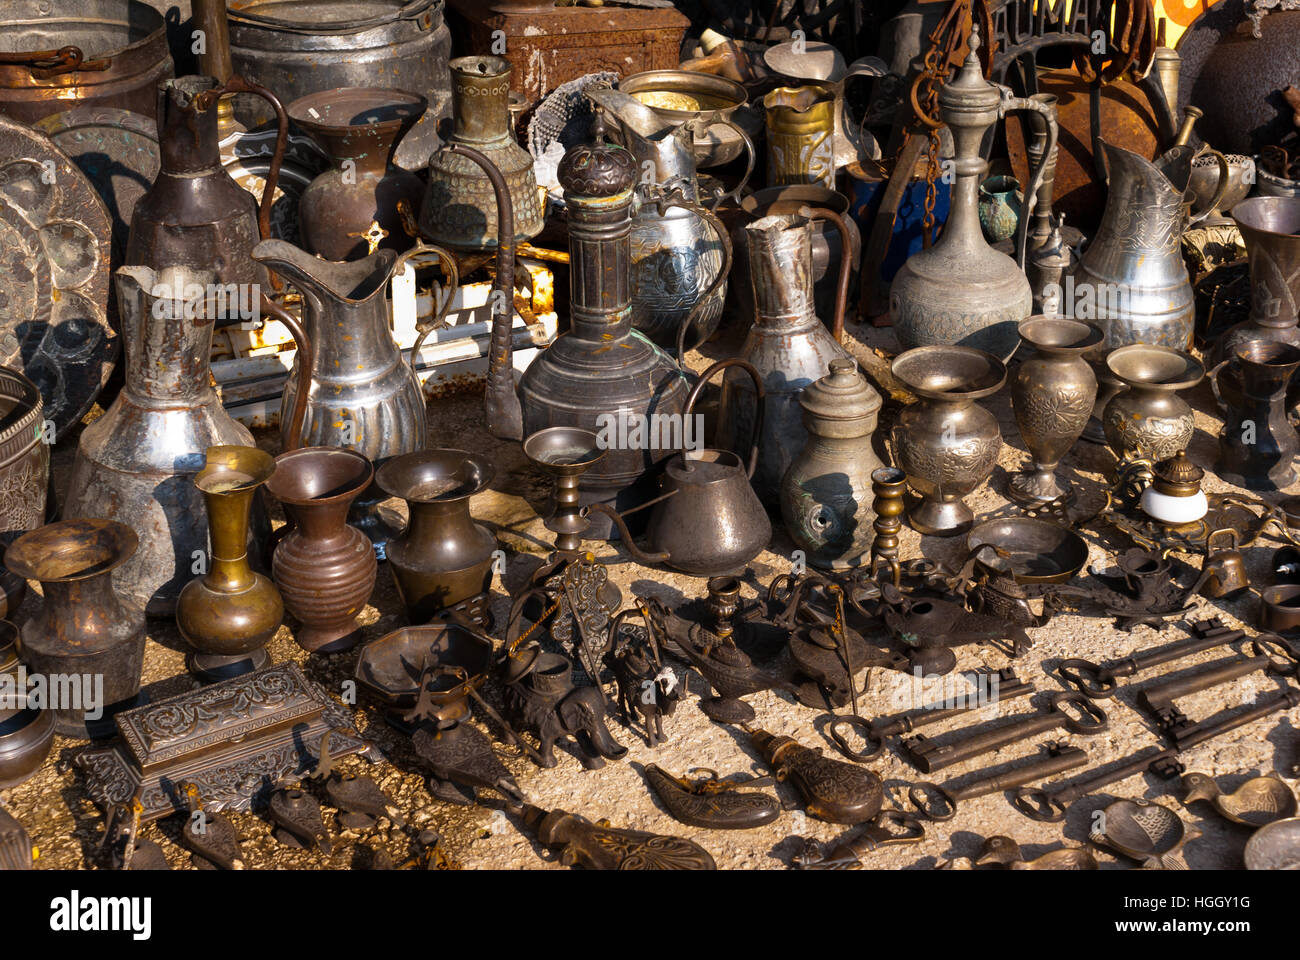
{"x": 83, "y": 629}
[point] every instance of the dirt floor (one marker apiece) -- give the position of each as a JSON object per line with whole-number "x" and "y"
{"x": 65, "y": 824}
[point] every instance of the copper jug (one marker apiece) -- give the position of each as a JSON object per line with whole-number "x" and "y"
{"x": 195, "y": 215}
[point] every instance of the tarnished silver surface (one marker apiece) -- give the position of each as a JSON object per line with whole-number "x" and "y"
{"x": 676, "y": 255}
{"x": 54, "y": 262}
{"x": 297, "y": 47}
{"x": 961, "y": 290}
{"x": 788, "y": 346}
{"x": 135, "y": 464}
{"x": 363, "y": 395}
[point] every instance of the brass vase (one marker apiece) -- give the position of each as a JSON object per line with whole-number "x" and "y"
{"x": 325, "y": 569}
{"x": 84, "y": 629}
{"x": 1052, "y": 396}
{"x": 1149, "y": 419}
{"x": 229, "y": 613}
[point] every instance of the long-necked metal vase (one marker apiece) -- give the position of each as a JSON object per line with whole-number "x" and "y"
{"x": 962, "y": 291}
{"x": 83, "y": 629}
{"x": 362, "y": 394}
{"x": 136, "y": 463}
{"x": 788, "y": 346}
{"x": 601, "y": 375}
{"x": 230, "y": 613}
{"x": 1052, "y": 394}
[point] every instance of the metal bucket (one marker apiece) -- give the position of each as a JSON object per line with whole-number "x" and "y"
{"x": 123, "y": 41}
{"x": 297, "y": 47}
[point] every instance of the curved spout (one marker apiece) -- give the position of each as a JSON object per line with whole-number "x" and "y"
{"x": 505, "y": 417}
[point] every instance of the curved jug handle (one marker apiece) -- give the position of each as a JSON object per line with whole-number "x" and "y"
{"x": 733, "y": 194}
{"x": 724, "y": 270}
{"x": 1213, "y": 377}
{"x": 1010, "y": 104}
{"x": 306, "y": 359}
{"x": 759, "y": 397}
{"x": 237, "y": 84}
{"x": 846, "y": 254}
{"x": 1225, "y": 173}
{"x": 450, "y": 268}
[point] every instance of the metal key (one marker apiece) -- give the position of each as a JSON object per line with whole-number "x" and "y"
{"x": 1039, "y": 803}
{"x": 1059, "y": 758}
{"x": 1158, "y": 699}
{"x": 928, "y": 756}
{"x": 874, "y": 732}
{"x": 1098, "y": 680}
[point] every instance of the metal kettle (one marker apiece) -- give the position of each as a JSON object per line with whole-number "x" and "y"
{"x": 708, "y": 521}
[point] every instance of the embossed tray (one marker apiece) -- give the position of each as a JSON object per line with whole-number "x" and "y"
{"x": 235, "y": 740}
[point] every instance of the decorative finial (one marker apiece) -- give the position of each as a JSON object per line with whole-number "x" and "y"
{"x": 974, "y": 41}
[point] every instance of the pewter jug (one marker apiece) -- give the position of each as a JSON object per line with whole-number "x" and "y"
{"x": 460, "y": 207}
{"x": 962, "y": 291}
{"x": 826, "y": 494}
{"x": 1131, "y": 280}
{"x": 195, "y": 215}
{"x": 680, "y": 258}
{"x": 601, "y": 375}
{"x": 788, "y": 346}
{"x": 135, "y": 464}
{"x": 361, "y": 394}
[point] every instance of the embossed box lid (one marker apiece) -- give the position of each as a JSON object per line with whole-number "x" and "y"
{"x": 202, "y": 721}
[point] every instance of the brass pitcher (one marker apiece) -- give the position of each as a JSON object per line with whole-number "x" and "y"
{"x": 801, "y": 135}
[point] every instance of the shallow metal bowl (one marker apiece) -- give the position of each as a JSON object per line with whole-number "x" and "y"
{"x": 1038, "y": 551}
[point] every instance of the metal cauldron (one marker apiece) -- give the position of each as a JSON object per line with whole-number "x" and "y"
{"x": 98, "y": 53}
{"x": 297, "y": 47}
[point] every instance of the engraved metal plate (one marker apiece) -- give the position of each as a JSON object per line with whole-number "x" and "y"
{"x": 54, "y": 269}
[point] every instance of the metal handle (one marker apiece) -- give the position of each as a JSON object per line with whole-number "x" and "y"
{"x": 1224, "y": 182}
{"x": 734, "y": 193}
{"x": 408, "y": 11}
{"x": 1093, "y": 720}
{"x": 724, "y": 270}
{"x": 237, "y": 84}
{"x": 306, "y": 359}
{"x": 1010, "y": 104}
{"x": 1213, "y": 377}
{"x": 846, "y": 256}
{"x": 449, "y": 266}
{"x": 47, "y": 64}
{"x": 759, "y": 400}
{"x": 1092, "y": 680}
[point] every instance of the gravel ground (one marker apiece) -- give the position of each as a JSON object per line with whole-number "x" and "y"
{"x": 65, "y": 824}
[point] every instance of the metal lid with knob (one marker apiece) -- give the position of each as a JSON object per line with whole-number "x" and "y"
{"x": 842, "y": 403}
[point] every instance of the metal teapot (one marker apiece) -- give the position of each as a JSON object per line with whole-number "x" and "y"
{"x": 708, "y": 521}
{"x": 680, "y": 251}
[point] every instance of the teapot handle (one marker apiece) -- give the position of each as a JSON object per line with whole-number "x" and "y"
{"x": 1010, "y": 104}
{"x": 237, "y": 84}
{"x": 306, "y": 359}
{"x": 724, "y": 270}
{"x": 1225, "y": 174}
{"x": 759, "y": 398}
{"x": 734, "y": 193}
{"x": 846, "y": 256}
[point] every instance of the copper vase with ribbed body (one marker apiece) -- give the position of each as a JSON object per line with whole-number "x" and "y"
{"x": 325, "y": 569}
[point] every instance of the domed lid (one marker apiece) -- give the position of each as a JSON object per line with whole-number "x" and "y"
{"x": 596, "y": 170}
{"x": 1177, "y": 476}
{"x": 843, "y": 394}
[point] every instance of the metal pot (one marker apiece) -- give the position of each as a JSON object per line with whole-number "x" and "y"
{"x": 297, "y": 47}
{"x": 678, "y": 96}
{"x": 118, "y": 54}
